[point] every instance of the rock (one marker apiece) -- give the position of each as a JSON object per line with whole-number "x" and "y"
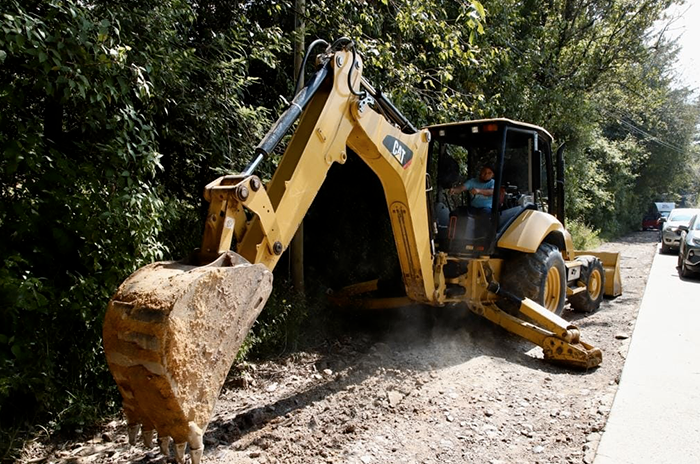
{"x": 313, "y": 423}
{"x": 366, "y": 459}
{"x": 327, "y": 371}
{"x": 489, "y": 412}
{"x": 539, "y": 449}
{"x": 394, "y": 398}
{"x": 272, "y": 387}
{"x": 621, "y": 336}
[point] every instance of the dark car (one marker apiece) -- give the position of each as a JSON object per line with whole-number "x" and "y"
{"x": 689, "y": 251}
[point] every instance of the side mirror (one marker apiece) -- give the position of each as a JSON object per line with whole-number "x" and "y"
{"x": 683, "y": 227}
{"x": 662, "y": 220}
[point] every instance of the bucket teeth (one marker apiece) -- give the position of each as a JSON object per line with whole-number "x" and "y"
{"x": 133, "y": 432}
{"x": 148, "y": 438}
{"x": 196, "y": 455}
{"x": 180, "y": 452}
{"x": 164, "y": 444}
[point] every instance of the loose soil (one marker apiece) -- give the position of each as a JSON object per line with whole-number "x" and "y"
{"x": 456, "y": 390}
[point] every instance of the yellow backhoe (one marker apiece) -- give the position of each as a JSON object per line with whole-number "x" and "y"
{"x": 173, "y": 329}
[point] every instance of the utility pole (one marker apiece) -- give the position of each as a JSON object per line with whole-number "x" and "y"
{"x": 296, "y": 249}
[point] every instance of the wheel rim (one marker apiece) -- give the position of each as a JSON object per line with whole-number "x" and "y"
{"x": 552, "y": 289}
{"x": 595, "y": 284}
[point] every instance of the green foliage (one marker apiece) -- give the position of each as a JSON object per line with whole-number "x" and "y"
{"x": 115, "y": 115}
{"x": 585, "y": 238}
{"x": 79, "y": 205}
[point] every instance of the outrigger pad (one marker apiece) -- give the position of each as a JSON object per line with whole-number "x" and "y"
{"x": 170, "y": 335}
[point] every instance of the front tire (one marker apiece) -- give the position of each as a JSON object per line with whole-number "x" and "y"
{"x": 683, "y": 271}
{"x": 593, "y": 275}
{"x": 539, "y": 276}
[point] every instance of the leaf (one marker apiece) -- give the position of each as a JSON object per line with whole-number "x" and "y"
{"x": 479, "y": 8}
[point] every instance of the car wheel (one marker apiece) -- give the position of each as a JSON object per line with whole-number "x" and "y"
{"x": 680, "y": 260}
{"x": 664, "y": 248}
{"x": 685, "y": 272}
{"x": 593, "y": 275}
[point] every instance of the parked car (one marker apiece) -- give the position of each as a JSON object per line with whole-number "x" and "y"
{"x": 670, "y": 233}
{"x": 656, "y": 211}
{"x": 651, "y": 221}
{"x": 689, "y": 251}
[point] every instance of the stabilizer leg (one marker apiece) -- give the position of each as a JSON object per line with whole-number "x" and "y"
{"x": 560, "y": 341}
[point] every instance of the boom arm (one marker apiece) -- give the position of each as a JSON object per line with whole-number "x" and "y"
{"x": 335, "y": 118}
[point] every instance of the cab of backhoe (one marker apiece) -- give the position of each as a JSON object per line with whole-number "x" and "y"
{"x": 520, "y": 157}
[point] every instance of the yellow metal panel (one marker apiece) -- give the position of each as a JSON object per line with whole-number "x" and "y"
{"x": 529, "y": 230}
{"x": 400, "y": 162}
{"x": 568, "y": 252}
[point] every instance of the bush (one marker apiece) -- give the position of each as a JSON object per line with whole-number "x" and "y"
{"x": 585, "y": 237}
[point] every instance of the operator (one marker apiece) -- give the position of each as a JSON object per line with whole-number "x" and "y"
{"x": 481, "y": 189}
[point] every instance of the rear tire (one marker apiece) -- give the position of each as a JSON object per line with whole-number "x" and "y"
{"x": 539, "y": 276}
{"x": 593, "y": 275}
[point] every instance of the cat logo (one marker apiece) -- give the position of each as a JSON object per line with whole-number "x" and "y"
{"x": 399, "y": 150}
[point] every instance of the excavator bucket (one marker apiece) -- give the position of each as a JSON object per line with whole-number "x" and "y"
{"x": 611, "y": 265}
{"x": 171, "y": 333}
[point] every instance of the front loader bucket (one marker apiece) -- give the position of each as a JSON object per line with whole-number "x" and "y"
{"x": 611, "y": 265}
{"x": 171, "y": 333}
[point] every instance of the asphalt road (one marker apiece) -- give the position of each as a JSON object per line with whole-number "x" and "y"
{"x": 655, "y": 417}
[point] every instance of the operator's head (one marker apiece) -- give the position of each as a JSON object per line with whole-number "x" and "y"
{"x": 486, "y": 173}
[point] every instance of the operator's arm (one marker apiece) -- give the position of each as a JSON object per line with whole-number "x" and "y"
{"x": 458, "y": 189}
{"x": 487, "y": 192}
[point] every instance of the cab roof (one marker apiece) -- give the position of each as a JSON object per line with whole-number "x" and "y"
{"x": 500, "y": 121}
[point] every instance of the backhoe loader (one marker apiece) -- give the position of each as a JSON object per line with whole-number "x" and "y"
{"x": 173, "y": 329}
